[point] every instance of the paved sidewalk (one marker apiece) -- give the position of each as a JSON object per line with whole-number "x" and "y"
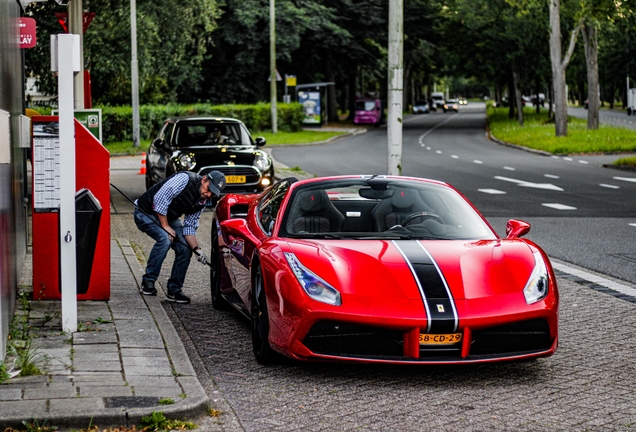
{"x": 124, "y": 359}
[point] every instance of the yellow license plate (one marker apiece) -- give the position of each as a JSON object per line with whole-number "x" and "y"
{"x": 235, "y": 179}
{"x": 440, "y": 339}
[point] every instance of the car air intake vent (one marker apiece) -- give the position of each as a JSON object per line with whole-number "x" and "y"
{"x": 346, "y": 339}
{"x": 229, "y": 170}
{"x": 238, "y": 211}
{"x": 516, "y": 338}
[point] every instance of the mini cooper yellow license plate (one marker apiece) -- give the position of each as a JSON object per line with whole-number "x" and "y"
{"x": 440, "y": 339}
{"x": 235, "y": 179}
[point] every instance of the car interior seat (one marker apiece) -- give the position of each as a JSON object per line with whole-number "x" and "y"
{"x": 392, "y": 211}
{"x": 313, "y": 212}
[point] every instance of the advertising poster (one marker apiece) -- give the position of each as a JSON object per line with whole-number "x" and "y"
{"x": 311, "y": 104}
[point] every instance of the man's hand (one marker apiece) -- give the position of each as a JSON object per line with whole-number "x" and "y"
{"x": 201, "y": 256}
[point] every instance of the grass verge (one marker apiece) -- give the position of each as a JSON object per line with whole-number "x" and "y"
{"x": 302, "y": 137}
{"x": 537, "y": 133}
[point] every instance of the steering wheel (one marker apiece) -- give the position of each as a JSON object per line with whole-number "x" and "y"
{"x": 416, "y": 215}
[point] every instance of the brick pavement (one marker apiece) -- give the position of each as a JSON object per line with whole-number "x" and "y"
{"x": 587, "y": 385}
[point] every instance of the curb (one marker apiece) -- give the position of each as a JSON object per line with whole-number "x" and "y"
{"x": 197, "y": 402}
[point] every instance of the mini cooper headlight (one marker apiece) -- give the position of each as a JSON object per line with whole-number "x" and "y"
{"x": 186, "y": 161}
{"x": 315, "y": 287}
{"x": 537, "y": 286}
{"x": 261, "y": 160}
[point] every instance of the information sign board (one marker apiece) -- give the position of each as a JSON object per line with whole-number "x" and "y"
{"x": 91, "y": 119}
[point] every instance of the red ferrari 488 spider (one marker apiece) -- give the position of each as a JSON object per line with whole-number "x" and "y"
{"x": 380, "y": 269}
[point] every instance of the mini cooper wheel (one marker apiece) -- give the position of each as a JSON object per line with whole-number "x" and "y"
{"x": 260, "y": 322}
{"x": 218, "y": 302}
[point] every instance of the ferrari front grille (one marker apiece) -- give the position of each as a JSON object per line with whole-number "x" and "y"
{"x": 353, "y": 340}
{"x": 511, "y": 339}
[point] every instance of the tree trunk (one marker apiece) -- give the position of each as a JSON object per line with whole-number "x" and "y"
{"x": 550, "y": 101}
{"x": 590, "y": 40}
{"x": 559, "y": 66}
{"x": 511, "y": 98}
{"x": 518, "y": 100}
{"x": 352, "y": 93}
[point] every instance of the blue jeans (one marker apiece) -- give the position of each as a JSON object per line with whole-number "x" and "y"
{"x": 151, "y": 226}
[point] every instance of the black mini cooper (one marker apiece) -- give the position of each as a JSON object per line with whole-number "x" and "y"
{"x": 203, "y": 144}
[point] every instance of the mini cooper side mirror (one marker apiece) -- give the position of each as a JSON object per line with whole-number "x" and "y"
{"x": 516, "y": 228}
{"x": 260, "y": 141}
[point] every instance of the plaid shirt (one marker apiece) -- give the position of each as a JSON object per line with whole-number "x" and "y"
{"x": 164, "y": 196}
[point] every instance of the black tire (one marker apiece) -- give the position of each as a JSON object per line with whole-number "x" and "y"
{"x": 218, "y": 302}
{"x": 263, "y": 351}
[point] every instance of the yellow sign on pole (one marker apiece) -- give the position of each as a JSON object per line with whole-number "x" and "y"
{"x": 291, "y": 80}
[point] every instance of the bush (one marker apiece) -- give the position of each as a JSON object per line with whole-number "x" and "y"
{"x": 117, "y": 121}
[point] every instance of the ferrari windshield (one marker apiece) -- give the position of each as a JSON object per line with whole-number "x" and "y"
{"x": 381, "y": 208}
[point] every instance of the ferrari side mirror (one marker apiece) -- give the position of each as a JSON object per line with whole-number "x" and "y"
{"x": 238, "y": 228}
{"x": 516, "y": 228}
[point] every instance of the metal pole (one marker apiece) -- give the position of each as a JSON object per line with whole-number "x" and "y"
{"x": 76, "y": 26}
{"x": 272, "y": 63}
{"x": 134, "y": 71}
{"x": 67, "y": 53}
{"x": 396, "y": 86}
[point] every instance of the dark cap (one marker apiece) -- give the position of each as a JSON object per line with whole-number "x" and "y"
{"x": 217, "y": 182}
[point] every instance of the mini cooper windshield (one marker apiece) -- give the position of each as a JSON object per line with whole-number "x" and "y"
{"x": 381, "y": 208}
{"x": 206, "y": 133}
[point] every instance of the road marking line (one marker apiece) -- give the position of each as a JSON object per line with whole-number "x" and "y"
{"x": 552, "y": 176}
{"x": 624, "y": 289}
{"x": 509, "y": 168}
{"x": 438, "y": 151}
{"x": 584, "y": 162}
{"x": 569, "y": 159}
{"x": 609, "y": 186}
{"x": 478, "y": 162}
{"x": 492, "y": 191}
{"x": 632, "y": 224}
{"x": 522, "y": 183}
{"x": 558, "y": 206}
{"x": 627, "y": 179}
{"x": 555, "y": 157}
{"x": 455, "y": 156}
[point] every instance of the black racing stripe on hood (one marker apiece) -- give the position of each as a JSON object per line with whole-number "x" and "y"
{"x": 436, "y": 296}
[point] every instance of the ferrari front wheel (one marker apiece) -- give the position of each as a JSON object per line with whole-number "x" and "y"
{"x": 260, "y": 322}
{"x": 218, "y": 302}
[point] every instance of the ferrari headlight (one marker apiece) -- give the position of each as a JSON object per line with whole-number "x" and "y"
{"x": 537, "y": 286}
{"x": 315, "y": 287}
{"x": 186, "y": 161}
{"x": 261, "y": 160}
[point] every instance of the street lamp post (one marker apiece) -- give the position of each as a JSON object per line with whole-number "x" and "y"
{"x": 134, "y": 71}
{"x": 396, "y": 87}
{"x": 272, "y": 63}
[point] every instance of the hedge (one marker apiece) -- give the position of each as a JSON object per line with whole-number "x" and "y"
{"x": 117, "y": 121}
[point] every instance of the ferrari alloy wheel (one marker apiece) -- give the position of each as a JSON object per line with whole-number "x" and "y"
{"x": 218, "y": 302}
{"x": 260, "y": 322}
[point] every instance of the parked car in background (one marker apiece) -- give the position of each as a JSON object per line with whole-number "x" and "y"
{"x": 462, "y": 101}
{"x": 204, "y": 144}
{"x": 368, "y": 111}
{"x": 438, "y": 99}
{"x": 451, "y": 105}
{"x": 421, "y": 107}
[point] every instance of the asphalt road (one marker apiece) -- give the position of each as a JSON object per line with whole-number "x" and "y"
{"x": 580, "y": 212}
{"x": 614, "y": 118}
